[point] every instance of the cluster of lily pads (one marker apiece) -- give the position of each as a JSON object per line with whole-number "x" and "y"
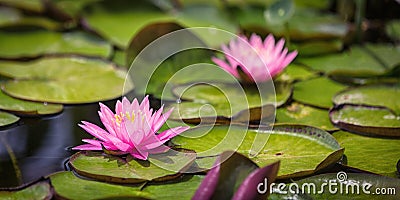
{"x": 336, "y": 108}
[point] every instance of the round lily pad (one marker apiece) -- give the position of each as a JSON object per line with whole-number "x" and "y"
{"x": 366, "y": 120}
{"x": 67, "y": 186}
{"x": 301, "y": 149}
{"x": 39, "y": 190}
{"x": 373, "y": 95}
{"x": 27, "y": 107}
{"x": 38, "y": 42}
{"x": 294, "y": 72}
{"x": 115, "y": 169}
{"x": 64, "y": 80}
{"x": 377, "y": 155}
{"x": 301, "y": 114}
{"x": 7, "y": 119}
{"x": 317, "y": 92}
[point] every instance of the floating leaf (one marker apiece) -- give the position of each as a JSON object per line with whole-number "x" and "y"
{"x": 356, "y": 62}
{"x": 316, "y": 92}
{"x": 26, "y": 107}
{"x": 64, "y": 80}
{"x": 227, "y": 101}
{"x": 296, "y": 160}
{"x": 393, "y": 29}
{"x": 67, "y": 186}
{"x": 318, "y": 47}
{"x": 184, "y": 186}
{"x": 38, "y": 42}
{"x": 355, "y": 186}
{"x": 366, "y": 120}
{"x": 381, "y": 153}
{"x": 279, "y": 12}
{"x": 295, "y": 72}
{"x": 301, "y": 114}
{"x": 39, "y": 190}
{"x": 373, "y": 95}
{"x": 387, "y": 54}
{"x": 7, "y": 119}
{"x": 28, "y": 5}
{"x": 116, "y": 169}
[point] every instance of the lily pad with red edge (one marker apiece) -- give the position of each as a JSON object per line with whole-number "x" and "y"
{"x": 7, "y": 119}
{"x": 317, "y": 92}
{"x": 368, "y": 120}
{"x": 373, "y": 154}
{"x": 381, "y": 95}
{"x": 104, "y": 167}
{"x": 302, "y": 150}
{"x": 235, "y": 176}
{"x": 68, "y": 186}
{"x": 67, "y": 80}
{"x": 41, "y": 190}
{"x": 35, "y": 43}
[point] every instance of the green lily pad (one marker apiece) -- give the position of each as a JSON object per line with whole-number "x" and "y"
{"x": 67, "y": 186}
{"x": 40, "y": 190}
{"x": 185, "y": 186}
{"x": 295, "y": 72}
{"x": 7, "y": 119}
{"x": 301, "y": 114}
{"x": 393, "y": 29}
{"x": 280, "y": 12}
{"x": 366, "y": 120}
{"x": 302, "y": 150}
{"x": 67, "y": 9}
{"x": 356, "y": 62}
{"x": 378, "y": 155}
{"x": 386, "y": 54}
{"x": 38, "y": 42}
{"x": 317, "y": 92}
{"x": 227, "y": 101}
{"x": 355, "y": 186}
{"x": 318, "y": 47}
{"x": 64, "y": 80}
{"x": 13, "y": 18}
{"x": 26, "y": 107}
{"x": 29, "y": 5}
{"x": 102, "y": 18}
{"x": 110, "y": 168}
{"x": 373, "y": 95}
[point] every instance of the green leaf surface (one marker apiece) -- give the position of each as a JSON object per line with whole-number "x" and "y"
{"x": 116, "y": 169}
{"x": 356, "y": 62}
{"x": 373, "y": 95}
{"x": 289, "y": 144}
{"x": 181, "y": 188}
{"x": 294, "y": 72}
{"x": 378, "y": 155}
{"x": 387, "y": 54}
{"x": 67, "y": 186}
{"x": 355, "y": 186}
{"x": 27, "y": 107}
{"x": 301, "y": 114}
{"x": 280, "y": 12}
{"x": 316, "y": 92}
{"x": 7, "y": 119}
{"x": 29, "y": 5}
{"x": 366, "y": 120}
{"x": 393, "y": 29}
{"x": 39, "y": 190}
{"x": 64, "y": 80}
{"x": 38, "y": 42}
{"x": 317, "y": 47}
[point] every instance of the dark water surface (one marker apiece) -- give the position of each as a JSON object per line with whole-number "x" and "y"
{"x": 41, "y": 145}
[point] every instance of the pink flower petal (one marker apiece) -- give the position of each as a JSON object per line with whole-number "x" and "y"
{"x": 87, "y": 147}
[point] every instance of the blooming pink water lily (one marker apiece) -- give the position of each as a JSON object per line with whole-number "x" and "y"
{"x": 131, "y": 129}
{"x": 253, "y": 60}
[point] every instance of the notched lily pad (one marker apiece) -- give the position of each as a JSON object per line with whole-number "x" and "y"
{"x": 39, "y": 190}
{"x": 377, "y": 155}
{"x": 372, "y": 95}
{"x": 27, "y": 107}
{"x": 67, "y": 186}
{"x": 67, "y": 80}
{"x": 366, "y": 120}
{"x": 317, "y": 92}
{"x": 7, "y": 119}
{"x": 315, "y": 149}
{"x": 34, "y": 43}
{"x": 159, "y": 167}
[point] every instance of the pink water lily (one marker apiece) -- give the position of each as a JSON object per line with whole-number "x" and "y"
{"x": 253, "y": 60}
{"x": 131, "y": 129}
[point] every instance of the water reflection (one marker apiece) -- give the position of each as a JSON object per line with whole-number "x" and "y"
{"x": 40, "y": 144}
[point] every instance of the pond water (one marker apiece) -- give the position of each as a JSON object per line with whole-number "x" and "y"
{"x": 41, "y": 145}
